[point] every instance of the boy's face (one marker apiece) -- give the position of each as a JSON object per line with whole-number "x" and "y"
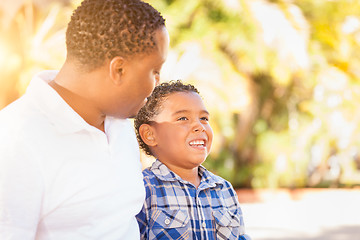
{"x": 181, "y": 131}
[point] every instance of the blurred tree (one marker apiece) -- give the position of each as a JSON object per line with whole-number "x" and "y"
{"x": 280, "y": 78}
{"x": 259, "y": 65}
{"x": 31, "y": 39}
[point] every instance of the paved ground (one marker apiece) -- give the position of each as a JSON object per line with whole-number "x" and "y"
{"x": 330, "y": 215}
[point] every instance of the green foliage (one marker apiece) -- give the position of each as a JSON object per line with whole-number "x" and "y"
{"x": 283, "y": 133}
{"x": 280, "y": 78}
{"x": 31, "y": 39}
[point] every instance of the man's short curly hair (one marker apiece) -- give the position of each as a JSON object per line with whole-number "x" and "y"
{"x": 102, "y": 29}
{"x": 154, "y": 103}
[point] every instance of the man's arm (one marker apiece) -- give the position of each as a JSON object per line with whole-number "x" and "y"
{"x": 21, "y": 191}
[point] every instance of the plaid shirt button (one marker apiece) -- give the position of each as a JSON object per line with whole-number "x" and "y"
{"x": 167, "y": 221}
{"x": 204, "y": 225}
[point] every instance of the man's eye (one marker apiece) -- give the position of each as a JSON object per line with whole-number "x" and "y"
{"x": 182, "y": 118}
{"x": 204, "y": 119}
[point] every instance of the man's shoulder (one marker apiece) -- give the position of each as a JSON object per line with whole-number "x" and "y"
{"x": 14, "y": 108}
{"x": 18, "y": 115}
{"x": 22, "y": 124}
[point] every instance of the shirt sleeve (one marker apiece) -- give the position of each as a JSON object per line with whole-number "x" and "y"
{"x": 142, "y": 221}
{"x": 244, "y": 237}
{"x": 231, "y": 194}
{"x": 143, "y": 216}
{"x": 21, "y": 190}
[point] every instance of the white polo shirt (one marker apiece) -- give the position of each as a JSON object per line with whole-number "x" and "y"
{"x": 63, "y": 179}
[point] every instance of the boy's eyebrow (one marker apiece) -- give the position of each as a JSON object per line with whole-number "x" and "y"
{"x": 186, "y": 111}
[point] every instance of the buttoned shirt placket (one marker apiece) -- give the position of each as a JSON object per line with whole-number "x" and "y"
{"x": 200, "y": 214}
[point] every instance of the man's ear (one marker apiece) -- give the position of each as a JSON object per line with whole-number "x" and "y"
{"x": 117, "y": 69}
{"x": 147, "y": 134}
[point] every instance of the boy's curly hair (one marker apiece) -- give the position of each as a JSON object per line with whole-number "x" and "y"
{"x": 102, "y": 29}
{"x": 154, "y": 104}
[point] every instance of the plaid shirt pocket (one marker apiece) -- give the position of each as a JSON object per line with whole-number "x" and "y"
{"x": 227, "y": 225}
{"x": 169, "y": 224}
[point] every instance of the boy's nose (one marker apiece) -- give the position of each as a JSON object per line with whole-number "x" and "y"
{"x": 199, "y": 127}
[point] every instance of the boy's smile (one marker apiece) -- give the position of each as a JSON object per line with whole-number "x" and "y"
{"x": 181, "y": 131}
{"x": 198, "y": 143}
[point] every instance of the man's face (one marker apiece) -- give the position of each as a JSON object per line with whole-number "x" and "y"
{"x": 182, "y": 131}
{"x": 140, "y": 75}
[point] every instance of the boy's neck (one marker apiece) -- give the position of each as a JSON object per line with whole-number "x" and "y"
{"x": 190, "y": 175}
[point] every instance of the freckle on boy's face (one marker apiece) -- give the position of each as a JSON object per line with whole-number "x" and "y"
{"x": 182, "y": 131}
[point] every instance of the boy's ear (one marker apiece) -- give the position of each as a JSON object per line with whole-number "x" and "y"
{"x": 147, "y": 135}
{"x": 117, "y": 69}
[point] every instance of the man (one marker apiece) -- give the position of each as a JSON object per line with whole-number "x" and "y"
{"x": 69, "y": 159}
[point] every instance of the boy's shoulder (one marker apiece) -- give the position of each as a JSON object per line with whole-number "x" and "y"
{"x": 147, "y": 172}
{"x": 215, "y": 178}
{"x": 157, "y": 170}
{"x": 158, "y": 173}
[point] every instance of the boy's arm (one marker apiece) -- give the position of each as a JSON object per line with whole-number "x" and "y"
{"x": 244, "y": 237}
{"x": 142, "y": 221}
{"x": 233, "y": 194}
{"x": 143, "y": 216}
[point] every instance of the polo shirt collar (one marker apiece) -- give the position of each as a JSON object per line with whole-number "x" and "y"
{"x": 53, "y": 106}
{"x": 162, "y": 172}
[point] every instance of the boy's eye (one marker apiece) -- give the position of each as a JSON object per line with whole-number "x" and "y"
{"x": 204, "y": 119}
{"x": 182, "y": 118}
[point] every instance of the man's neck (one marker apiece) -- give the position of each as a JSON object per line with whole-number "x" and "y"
{"x": 68, "y": 84}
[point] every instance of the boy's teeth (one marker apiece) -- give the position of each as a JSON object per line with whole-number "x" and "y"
{"x": 197, "y": 142}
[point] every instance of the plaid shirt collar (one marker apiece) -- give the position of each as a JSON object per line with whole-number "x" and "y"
{"x": 208, "y": 180}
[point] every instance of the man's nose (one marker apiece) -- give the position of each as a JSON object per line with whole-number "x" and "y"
{"x": 157, "y": 80}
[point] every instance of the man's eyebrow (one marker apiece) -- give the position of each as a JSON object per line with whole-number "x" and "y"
{"x": 186, "y": 111}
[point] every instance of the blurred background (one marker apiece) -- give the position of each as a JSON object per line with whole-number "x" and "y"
{"x": 281, "y": 79}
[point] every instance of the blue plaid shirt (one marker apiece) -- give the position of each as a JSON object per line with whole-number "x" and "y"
{"x": 175, "y": 209}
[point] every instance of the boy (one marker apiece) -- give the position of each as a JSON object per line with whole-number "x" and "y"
{"x": 183, "y": 199}
{"x": 69, "y": 160}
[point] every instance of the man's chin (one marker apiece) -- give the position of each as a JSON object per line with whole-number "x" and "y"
{"x": 133, "y": 115}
